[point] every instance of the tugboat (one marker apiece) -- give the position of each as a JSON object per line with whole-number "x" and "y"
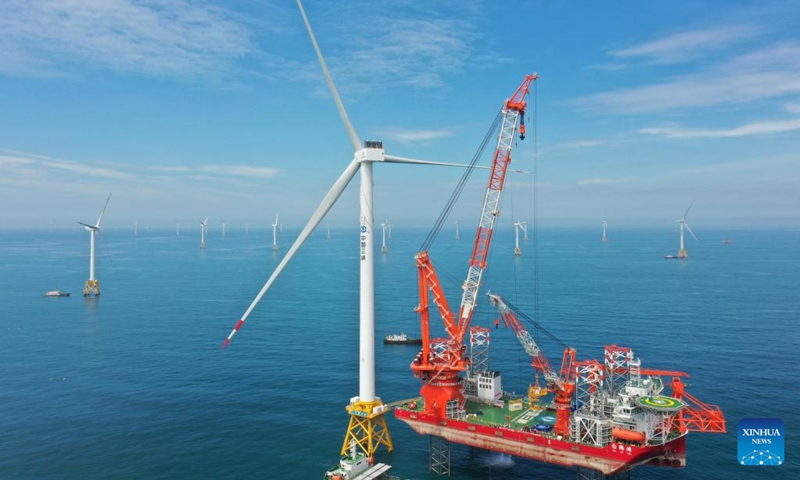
{"x": 56, "y": 293}
{"x": 401, "y": 339}
{"x": 357, "y": 466}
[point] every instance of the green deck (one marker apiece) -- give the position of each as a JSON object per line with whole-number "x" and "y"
{"x": 489, "y": 415}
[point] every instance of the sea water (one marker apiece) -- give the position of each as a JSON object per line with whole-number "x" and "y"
{"x": 135, "y": 384}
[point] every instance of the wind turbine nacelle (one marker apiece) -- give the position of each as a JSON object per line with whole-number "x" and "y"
{"x": 372, "y": 152}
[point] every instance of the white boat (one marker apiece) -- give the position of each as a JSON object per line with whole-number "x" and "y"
{"x": 56, "y": 293}
{"x": 401, "y": 339}
{"x": 357, "y": 466}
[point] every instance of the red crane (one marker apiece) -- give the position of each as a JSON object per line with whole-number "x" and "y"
{"x": 562, "y": 384}
{"x": 441, "y": 360}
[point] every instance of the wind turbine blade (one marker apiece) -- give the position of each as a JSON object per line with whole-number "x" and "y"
{"x": 351, "y": 132}
{"x": 690, "y": 231}
{"x": 88, "y": 226}
{"x": 687, "y": 210}
{"x": 396, "y": 159}
{"x": 103, "y": 212}
{"x": 330, "y": 198}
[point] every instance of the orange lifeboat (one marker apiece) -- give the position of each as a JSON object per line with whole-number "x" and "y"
{"x": 629, "y": 435}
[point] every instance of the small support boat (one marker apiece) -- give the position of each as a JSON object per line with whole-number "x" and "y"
{"x": 56, "y": 293}
{"x": 401, "y": 339}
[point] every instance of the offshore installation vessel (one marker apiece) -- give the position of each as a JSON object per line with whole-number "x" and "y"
{"x": 603, "y": 418}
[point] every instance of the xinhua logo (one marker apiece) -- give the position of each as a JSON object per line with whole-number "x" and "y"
{"x": 761, "y": 442}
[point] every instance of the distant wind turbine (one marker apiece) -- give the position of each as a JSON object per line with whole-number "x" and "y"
{"x": 384, "y": 249}
{"x": 605, "y": 224}
{"x": 682, "y": 252}
{"x": 458, "y": 236}
{"x": 517, "y": 226}
{"x": 177, "y": 229}
{"x": 223, "y": 229}
{"x": 275, "y": 233}
{"x": 136, "y": 228}
{"x": 329, "y": 231}
{"x": 203, "y": 226}
{"x": 388, "y": 229}
{"x": 92, "y": 286}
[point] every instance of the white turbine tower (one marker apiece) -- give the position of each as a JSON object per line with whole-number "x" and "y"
{"x": 92, "y": 286}
{"x": 525, "y": 229}
{"x": 458, "y": 235}
{"x": 246, "y": 228}
{"x": 329, "y": 231}
{"x": 275, "y": 233}
{"x": 384, "y": 249}
{"x": 203, "y": 225}
{"x": 367, "y": 423}
{"x": 177, "y": 229}
{"x": 605, "y": 224}
{"x": 388, "y": 229}
{"x": 517, "y": 226}
{"x": 682, "y": 252}
{"x": 223, "y": 230}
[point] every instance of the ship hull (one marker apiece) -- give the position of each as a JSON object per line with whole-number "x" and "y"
{"x": 610, "y": 459}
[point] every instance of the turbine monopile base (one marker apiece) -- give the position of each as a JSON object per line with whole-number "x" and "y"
{"x": 92, "y": 287}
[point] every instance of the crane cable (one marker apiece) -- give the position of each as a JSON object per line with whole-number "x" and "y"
{"x": 520, "y": 314}
{"x": 445, "y": 213}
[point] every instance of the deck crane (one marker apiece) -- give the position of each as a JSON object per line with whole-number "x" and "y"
{"x": 441, "y": 360}
{"x": 562, "y": 384}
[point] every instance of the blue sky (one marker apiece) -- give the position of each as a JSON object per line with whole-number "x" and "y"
{"x": 188, "y": 109}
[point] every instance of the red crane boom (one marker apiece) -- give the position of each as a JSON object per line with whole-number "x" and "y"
{"x": 442, "y": 359}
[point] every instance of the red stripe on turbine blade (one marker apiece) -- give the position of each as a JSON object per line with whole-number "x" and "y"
{"x": 233, "y": 332}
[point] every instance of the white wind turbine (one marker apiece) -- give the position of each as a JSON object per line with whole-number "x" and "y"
{"x": 329, "y": 231}
{"x": 223, "y": 229}
{"x": 177, "y": 229}
{"x": 388, "y": 229}
{"x": 605, "y": 224}
{"x": 136, "y": 228}
{"x": 682, "y": 252}
{"x": 92, "y": 286}
{"x": 367, "y": 423}
{"x": 275, "y": 233}
{"x": 458, "y": 236}
{"x": 525, "y": 229}
{"x": 517, "y": 226}
{"x": 246, "y": 228}
{"x": 384, "y": 249}
{"x": 203, "y": 225}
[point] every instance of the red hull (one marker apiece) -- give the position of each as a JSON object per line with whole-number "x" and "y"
{"x": 611, "y": 459}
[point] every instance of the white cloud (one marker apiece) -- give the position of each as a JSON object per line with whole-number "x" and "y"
{"x": 604, "y": 181}
{"x": 176, "y": 37}
{"x": 792, "y": 107}
{"x": 82, "y": 169}
{"x": 572, "y": 145}
{"x": 370, "y": 46}
{"x": 415, "y": 136}
{"x": 771, "y": 72}
{"x": 758, "y": 128}
{"x": 684, "y": 46}
{"x": 240, "y": 170}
